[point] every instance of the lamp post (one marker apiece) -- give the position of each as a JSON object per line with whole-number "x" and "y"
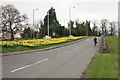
{"x": 48, "y": 27}
{"x": 87, "y": 20}
{"x": 70, "y": 20}
{"x": 33, "y": 21}
{"x": 48, "y": 22}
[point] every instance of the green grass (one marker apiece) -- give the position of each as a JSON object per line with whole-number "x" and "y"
{"x": 119, "y": 57}
{"x": 105, "y": 65}
{"x": 23, "y": 48}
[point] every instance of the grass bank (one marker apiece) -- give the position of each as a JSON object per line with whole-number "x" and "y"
{"x": 105, "y": 65}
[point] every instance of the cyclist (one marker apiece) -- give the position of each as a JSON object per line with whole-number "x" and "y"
{"x": 95, "y": 41}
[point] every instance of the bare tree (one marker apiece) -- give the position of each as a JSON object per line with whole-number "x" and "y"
{"x": 104, "y": 26}
{"x": 112, "y": 28}
{"x": 94, "y": 29}
{"x": 119, "y": 28}
{"x": 11, "y": 18}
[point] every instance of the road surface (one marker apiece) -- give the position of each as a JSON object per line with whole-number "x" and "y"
{"x": 64, "y": 62}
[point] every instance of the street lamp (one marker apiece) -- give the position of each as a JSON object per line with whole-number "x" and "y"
{"x": 70, "y": 20}
{"x": 87, "y": 26}
{"x": 48, "y": 22}
{"x": 48, "y": 27}
{"x": 33, "y": 21}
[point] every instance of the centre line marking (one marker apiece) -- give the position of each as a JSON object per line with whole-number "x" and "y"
{"x": 29, "y": 65}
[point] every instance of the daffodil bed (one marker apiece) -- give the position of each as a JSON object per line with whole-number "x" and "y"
{"x": 12, "y": 46}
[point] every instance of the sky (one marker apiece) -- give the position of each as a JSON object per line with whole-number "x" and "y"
{"x": 93, "y": 10}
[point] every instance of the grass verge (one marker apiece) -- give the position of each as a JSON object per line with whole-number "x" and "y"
{"x": 119, "y": 57}
{"x": 105, "y": 65}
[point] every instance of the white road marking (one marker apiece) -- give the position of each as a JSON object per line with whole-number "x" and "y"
{"x": 29, "y": 65}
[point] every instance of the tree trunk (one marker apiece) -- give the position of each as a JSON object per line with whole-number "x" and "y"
{"x": 12, "y": 34}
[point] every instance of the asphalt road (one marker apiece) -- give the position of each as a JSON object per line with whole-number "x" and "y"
{"x": 64, "y": 62}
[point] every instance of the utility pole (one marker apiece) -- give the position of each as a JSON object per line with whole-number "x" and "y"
{"x": 70, "y": 20}
{"x": 48, "y": 22}
{"x": 33, "y": 22}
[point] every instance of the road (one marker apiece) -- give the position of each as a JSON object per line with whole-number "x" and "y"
{"x": 64, "y": 62}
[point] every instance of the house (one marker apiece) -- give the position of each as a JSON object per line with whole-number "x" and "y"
{"x": 6, "y": 35}
{"x": 17, "y": 34}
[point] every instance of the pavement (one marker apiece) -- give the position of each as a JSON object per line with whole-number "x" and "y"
{"x": 63, "y": 62}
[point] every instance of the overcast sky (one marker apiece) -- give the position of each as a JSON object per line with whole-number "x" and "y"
{"x": 84, "y": 9}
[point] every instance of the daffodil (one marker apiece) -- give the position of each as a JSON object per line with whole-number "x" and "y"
{"x": 37, "y": 42}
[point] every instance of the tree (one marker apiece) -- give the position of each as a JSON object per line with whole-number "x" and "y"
{"x": 27, "y": 33}
{"x": 66, "y": 32}
{"x": 94, "y": 29}
{"x": 60, "y": 31}
{"x": 11, "y": 18}
{"x": 42, "y": 29}
{"x": 80, "y": 29}
{"x": 119, "y": 28}
{"x": 54, "y": 25}
{"x": 112, "y": 28}
{"x": 88, "y": 29}
{"x": 83, "y": 28}
{"x": 70, "y": 26}
{"x": 104, "y": 26}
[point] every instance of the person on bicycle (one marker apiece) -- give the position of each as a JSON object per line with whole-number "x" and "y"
{"x": 95, "y": 41}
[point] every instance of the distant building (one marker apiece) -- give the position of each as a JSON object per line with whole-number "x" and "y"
{"x": 17, "y": 34}
{"x": 6, "y": 35}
